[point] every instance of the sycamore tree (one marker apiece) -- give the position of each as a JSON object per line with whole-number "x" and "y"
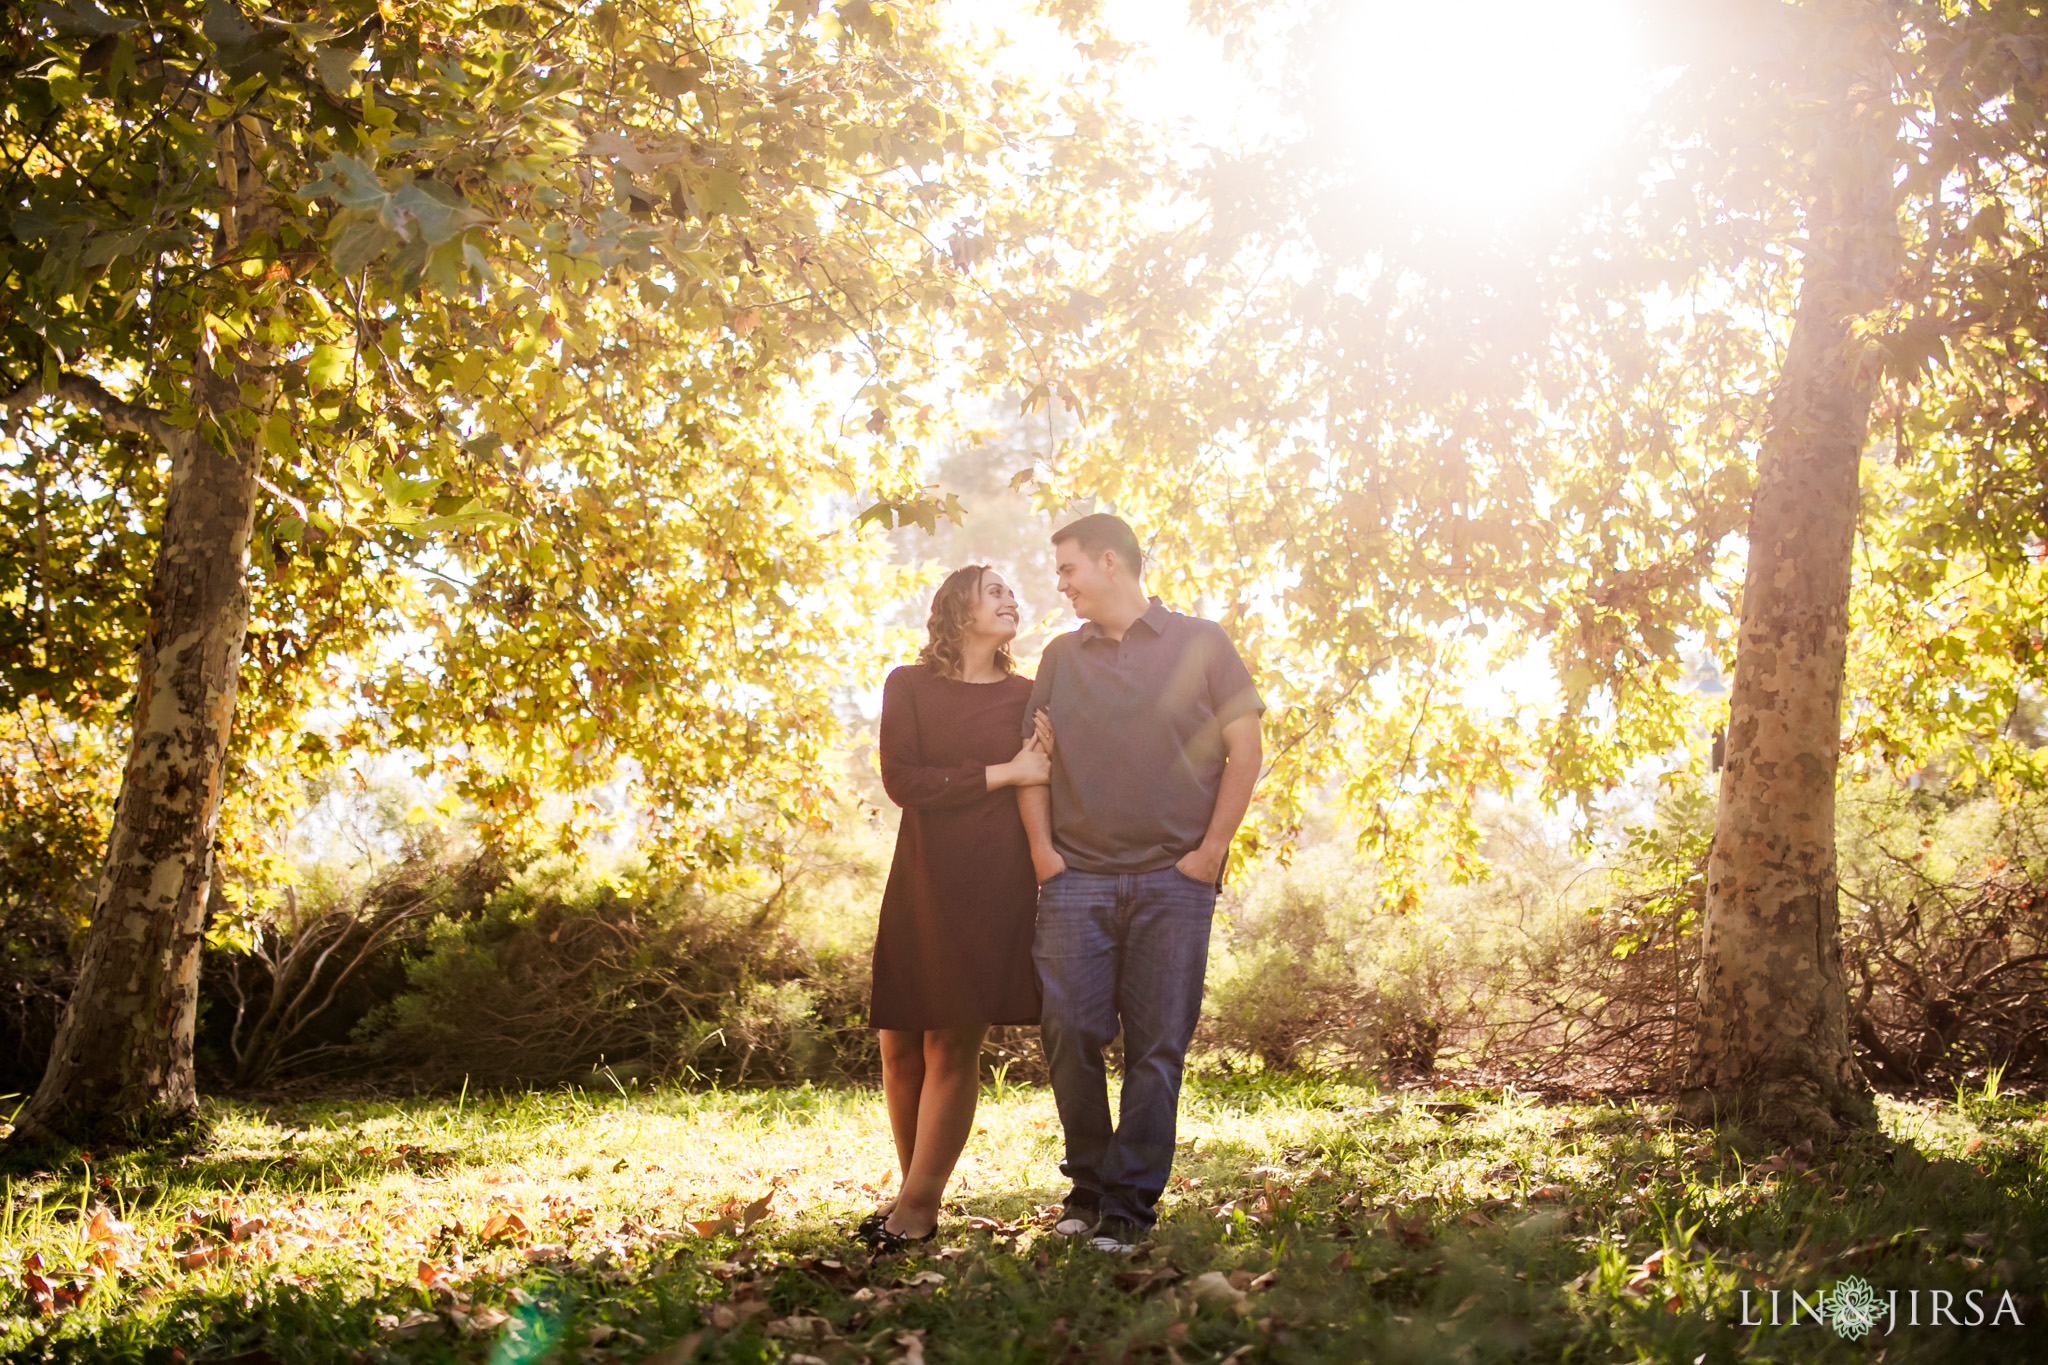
{"x": 471, "y": 375}
{"x": 1762, "y": 383}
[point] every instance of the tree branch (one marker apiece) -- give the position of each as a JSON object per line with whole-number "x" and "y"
{"x": 117, "y": 413}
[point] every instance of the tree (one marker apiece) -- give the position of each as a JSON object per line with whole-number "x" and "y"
{"x": 1394, "y": 453}
{"x": 487, "y": 322}
{"x": 1773, "y": 1035}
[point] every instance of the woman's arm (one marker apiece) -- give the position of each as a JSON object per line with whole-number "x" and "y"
{"x": 911, "y": 782}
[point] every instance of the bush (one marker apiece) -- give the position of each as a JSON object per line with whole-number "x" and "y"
{"x": 1549, "y": 971}
{"x": 56, "y": 799}
{"x": 1310, "y": 968}
{"x": 1945, "y": 933}
{"x": 564, "y": 973}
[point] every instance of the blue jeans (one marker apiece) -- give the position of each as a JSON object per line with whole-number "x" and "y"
{"x": 1129, "y": 951}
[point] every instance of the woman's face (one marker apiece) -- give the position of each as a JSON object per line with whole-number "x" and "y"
{"x": 994, "y": 612}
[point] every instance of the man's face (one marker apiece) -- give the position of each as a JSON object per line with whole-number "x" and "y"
{"x": 1087, "y": 581}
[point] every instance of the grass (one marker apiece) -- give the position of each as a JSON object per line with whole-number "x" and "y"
{"x": 1308, "y": 1221}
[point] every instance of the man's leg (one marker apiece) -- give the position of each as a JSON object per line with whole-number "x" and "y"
{"x": 1076, "y": 954}
{"x": 1159, "y": 996}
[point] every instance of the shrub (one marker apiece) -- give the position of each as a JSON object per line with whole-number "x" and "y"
{"x": 564, "y": 972}
{"x": 1945, "y": 933}
{"x": 56, "y": 799}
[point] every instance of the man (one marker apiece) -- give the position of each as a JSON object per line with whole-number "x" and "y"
{"x": 1156, "y": 749}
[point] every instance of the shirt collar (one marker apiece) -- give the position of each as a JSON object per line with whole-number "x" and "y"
{"x": 1155, "y": 616}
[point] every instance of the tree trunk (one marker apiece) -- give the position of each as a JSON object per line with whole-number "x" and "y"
{"x": 122, "y": 1063}
{"x": 1772, "y": 1041}
{"x": 121, "y": 1067}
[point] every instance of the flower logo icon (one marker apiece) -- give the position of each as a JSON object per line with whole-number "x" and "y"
{"x": 1854, "y": 1308}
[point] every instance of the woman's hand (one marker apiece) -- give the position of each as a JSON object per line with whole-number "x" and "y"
{"x": 1032, "y": 767}
{"x": 1042, "y": 737}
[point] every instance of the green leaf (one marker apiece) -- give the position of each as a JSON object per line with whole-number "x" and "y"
{"x": 337, "y": 67}
{"x": 673, "y": 82}
{"x": 328, "y": 365}
{"x": 359, "y": 244}
{"x": 721, "y": 193}
{"x": 85, "y": 16}
{"x": 438, "y": 211}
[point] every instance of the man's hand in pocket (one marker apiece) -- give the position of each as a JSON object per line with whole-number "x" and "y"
{"x": 1047, "y": 864}
{"x": 1202, "y": 865}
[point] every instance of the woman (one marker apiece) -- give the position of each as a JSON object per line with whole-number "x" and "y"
{"x": 953, "y": 953}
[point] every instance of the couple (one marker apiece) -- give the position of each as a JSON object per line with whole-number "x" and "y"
{"x": 1080, "y": 901}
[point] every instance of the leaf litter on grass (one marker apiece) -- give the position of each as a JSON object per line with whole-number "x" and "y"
{"x": 1406, "y": 1223}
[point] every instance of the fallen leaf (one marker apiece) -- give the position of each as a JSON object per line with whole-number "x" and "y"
{"x": 1412, "y": 1233}
{"x": 756, "y": 1211}
{"x": 40, "y": 1295}
{"x": 202, "y": 1256}
{"x": 922, "y": 1278}
{"x": 505, "y": 1223}
{"x": 105, "y": 1227}
{"x": 1977, "y": 1239}
{"x": 486, "y": 1320}
{"x": 798, "y": 1326}
{"x": 247, "y": 1228}
{"x": 407, "y": 1325}
{"x": 1213, "y": 1288}
{"x": 1548, "y": 1192}
{"x": 913, "y": 1348}
{"x": 680, "y": 1353}
{"x": 1264, "y": 1282}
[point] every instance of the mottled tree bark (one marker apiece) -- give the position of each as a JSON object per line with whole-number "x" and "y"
{"x": 121, "y": 1067}
{"x": 122, "y": 1063}
{"x": 1772, "y": 1042}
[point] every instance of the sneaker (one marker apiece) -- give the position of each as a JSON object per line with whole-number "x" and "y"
{"x": 1077, "y": 1219}
{"x": 1117, "y": 1236}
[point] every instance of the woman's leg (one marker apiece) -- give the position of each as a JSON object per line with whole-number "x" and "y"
{"x": 945, "y": 1116}
{"x": 903, "y": 1076}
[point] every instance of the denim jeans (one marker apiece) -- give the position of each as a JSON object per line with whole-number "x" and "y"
{"x": 1131, "y": 951}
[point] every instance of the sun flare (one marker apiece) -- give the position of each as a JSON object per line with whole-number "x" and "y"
{"x": 1488, "y": 106}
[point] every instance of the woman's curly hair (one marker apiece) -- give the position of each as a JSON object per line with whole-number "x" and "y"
{"x": 952, "y": 604}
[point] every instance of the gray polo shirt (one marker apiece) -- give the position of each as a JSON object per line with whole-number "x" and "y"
{"x": 1138, "y": 737}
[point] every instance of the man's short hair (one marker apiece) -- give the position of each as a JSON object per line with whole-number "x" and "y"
{"x": 1098, "y": 533}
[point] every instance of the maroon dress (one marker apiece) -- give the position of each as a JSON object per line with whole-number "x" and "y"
{"x": 954, "y": 947}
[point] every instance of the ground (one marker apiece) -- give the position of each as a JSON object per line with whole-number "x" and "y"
{"x": 1308, "y": 1221}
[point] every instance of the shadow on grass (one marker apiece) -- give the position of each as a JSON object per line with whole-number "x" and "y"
{"x": 1310, "y": 1222}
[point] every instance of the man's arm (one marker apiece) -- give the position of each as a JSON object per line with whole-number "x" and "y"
{"x": 1034, "y": 804}
{"x": 1243, "y": 750}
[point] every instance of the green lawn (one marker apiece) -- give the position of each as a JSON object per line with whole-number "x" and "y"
{"x": 1308, "y": 1221}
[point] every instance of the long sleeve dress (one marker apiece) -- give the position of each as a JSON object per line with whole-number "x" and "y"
{"x": 954, "y": 946}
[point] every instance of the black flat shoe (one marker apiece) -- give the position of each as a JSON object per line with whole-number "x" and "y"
{"x": 882, "y": 1242}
